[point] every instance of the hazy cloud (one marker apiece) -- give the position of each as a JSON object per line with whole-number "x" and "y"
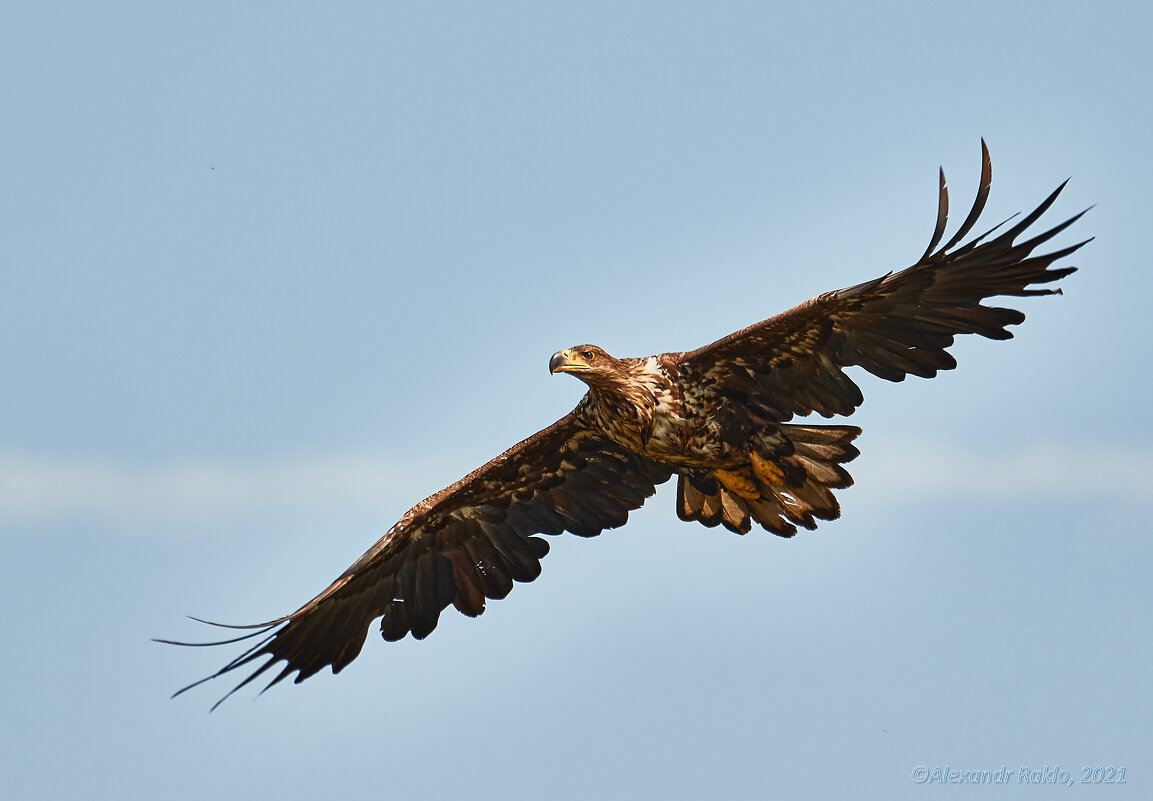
{"x": 34, "y": 488}
{"x": 1033, "y": 471}
{"x": 39, "y": 488}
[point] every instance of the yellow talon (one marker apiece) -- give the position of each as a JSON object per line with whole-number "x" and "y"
{"x": 766, "y": 471}
{"x": 738, "y": 484}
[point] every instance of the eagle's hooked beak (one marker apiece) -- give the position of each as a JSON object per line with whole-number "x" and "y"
{"x": 559, "y": 362}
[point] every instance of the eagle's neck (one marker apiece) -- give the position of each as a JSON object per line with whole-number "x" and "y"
{"x": 628, "y": 403}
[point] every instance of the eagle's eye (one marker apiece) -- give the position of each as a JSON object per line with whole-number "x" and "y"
{"x": 587, "y": 355}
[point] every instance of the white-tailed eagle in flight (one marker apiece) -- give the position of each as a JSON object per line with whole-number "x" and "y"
{"x": 719, "y": 418}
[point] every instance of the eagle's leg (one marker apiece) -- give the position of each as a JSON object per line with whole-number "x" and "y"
{"x": 765, "y": 470}
{"x": 739, "y": 483}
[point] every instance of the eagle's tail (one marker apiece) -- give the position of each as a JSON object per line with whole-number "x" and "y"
{"x": 775, "y": 490}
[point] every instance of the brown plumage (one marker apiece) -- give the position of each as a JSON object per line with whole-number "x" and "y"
{"x": 718, "y": 417}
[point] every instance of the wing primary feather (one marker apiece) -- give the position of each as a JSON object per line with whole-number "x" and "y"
{"x": 229, "y": 641}
{"x": 942, "y": 219}
{"x": 252, "y": 653}
{"x": 1033, "y": 216}
{"x": 978, "y": 204}
{"x": 260, "y": 670}
{"x": 1030, "y": 244}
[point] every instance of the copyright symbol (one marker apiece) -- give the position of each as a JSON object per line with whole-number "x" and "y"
{"x": 920, "y": 773}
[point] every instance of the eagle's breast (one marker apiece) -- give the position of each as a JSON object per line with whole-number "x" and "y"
{"x": 646, "y": 412}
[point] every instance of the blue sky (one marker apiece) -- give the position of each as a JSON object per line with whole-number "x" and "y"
{"x": 269, "y": 275}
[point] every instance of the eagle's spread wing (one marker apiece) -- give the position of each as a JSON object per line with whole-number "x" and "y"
{"x": 468, "y": 542}
{"x": 892, "y": 326}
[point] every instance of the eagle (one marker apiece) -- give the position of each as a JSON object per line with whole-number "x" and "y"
{"x": 722, "y": 419}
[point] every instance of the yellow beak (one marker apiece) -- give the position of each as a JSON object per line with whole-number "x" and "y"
{"x": 561, "y": 362}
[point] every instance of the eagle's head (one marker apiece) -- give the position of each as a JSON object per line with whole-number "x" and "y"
{"x": 587, "y": 362}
